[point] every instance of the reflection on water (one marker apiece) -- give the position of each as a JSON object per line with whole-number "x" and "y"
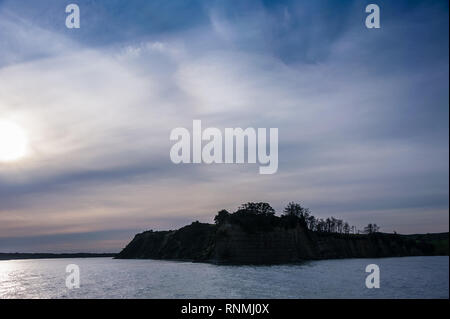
{"x": 407, "y": 277}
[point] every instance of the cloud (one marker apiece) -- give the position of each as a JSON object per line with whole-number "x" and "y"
{"x": 363, "y": 134}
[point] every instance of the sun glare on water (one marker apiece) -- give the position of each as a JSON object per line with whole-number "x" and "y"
{"x": 13, "y": 142}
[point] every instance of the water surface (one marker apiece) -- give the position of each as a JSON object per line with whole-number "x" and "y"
{"x": 406, "y": 277}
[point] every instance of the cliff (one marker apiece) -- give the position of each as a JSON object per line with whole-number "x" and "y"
{"x": 234, "y": 243}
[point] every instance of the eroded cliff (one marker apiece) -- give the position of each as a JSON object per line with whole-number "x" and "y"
{"x": 232, "y": 243}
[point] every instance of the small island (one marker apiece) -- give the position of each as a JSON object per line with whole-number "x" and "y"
{"x": 255, "y": 235}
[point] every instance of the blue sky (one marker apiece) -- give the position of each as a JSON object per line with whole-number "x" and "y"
{"x": 362, "y": 114}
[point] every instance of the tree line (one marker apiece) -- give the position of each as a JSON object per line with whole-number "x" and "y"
{"x": 293, "y": 213}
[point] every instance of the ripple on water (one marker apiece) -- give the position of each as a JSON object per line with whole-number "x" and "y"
{"x": 406, "y": 277}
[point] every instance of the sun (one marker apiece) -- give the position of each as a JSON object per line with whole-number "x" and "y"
{"x": 13, "y": 142}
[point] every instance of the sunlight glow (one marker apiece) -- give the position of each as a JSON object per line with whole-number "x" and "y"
{"x": 13, "y": 142}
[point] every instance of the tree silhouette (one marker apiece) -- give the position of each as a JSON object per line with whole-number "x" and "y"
{"x": 371, "y": 229}
{"x": 221, "y": 217}
{"x": 295, "y": 210}
{"x": 259, "y": 208}
{"x": 346, "y": 228}
{"x": 260, "y": 215}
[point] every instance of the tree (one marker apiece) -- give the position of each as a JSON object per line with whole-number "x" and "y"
{"x": 321, "y": 225}
{"x": 368, "y": 229}
{"x": 221, "y": 217}
{"x": 339, "y": 225}
{"x": 346, "y": 228}
{"x": 312, "y": 222}
{"x": 328, "y": 223}
{"x": 371, "y": 229}
{"x": 293, "y": 209}
{"x": 260, "y": 208}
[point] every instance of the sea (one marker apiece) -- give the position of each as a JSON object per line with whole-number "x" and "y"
{"x": 402, "y": 277}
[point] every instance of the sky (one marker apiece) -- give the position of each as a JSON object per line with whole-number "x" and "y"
{"x": 363, "y": 114}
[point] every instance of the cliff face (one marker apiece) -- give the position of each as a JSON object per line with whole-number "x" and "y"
{"x": 193, "y": 242}
{"x": 291, "y": 245}
{"x": 229, "y": 243}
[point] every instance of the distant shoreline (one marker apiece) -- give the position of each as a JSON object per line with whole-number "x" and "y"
{"x": 15, "y": 256}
